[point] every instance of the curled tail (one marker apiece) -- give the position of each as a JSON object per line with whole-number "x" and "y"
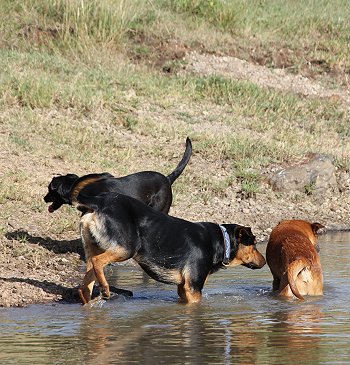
{"x": 182, "y": 164}
{"x": 294, "y": 269}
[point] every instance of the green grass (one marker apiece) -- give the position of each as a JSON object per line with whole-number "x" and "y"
{"x": 311, "y": 34}
{"x": 94, "y": 85}
{"x": 314, "y": 37}
{"x": 290, "y": 123}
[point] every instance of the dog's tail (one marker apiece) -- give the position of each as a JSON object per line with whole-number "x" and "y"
{"x": 294, "y": 269}
{"x": 183, "y": 163}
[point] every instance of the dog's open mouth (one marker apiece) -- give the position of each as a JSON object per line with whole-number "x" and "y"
{"x": 56, "y": 204}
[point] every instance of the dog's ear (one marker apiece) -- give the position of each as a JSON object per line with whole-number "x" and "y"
{"x": 245, "y": 235}
{"x": 63, "y": 184}
{"x": 317, "y": 228}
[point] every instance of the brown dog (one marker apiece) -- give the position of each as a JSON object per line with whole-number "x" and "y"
{"x": 292, "y": 257}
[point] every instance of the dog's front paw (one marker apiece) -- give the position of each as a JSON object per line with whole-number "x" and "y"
{"x": 105, "y": 293}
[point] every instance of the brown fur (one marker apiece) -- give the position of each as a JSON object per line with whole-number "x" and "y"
{"x": 81, "y": 185}
{"x": 292, "y": 257}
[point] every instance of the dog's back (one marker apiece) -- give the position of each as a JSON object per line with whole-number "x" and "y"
{"x": 150, "y": 187}
{"x": 293, "y": 259}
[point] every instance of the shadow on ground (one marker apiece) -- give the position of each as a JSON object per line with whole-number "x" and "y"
{"x": 56, "y": 246}
{"x": 69, "y": 295}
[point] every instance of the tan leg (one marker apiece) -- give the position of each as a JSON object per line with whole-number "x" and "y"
{"x": 312, "y": 281}
{"x": 103, "y": 259}
{"x": 85, "y": 291}
{"x": 188, "y": 295}
{"x": 193, "y": 297}
{"x": 90, "y": 248}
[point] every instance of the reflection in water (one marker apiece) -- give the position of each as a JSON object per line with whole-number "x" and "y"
{"x": 198, "y": 338}
{"x": 238, "y": 322}
{"x": 185, "y": 336}
{"x": 296, "y": 333}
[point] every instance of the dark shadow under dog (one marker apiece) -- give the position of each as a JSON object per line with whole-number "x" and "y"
{"x": 56, "y": 246}
{"x": 68, "y": 295}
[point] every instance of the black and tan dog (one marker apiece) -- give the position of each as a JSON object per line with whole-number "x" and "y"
{"x": 292, "y": 256}
{"x": 150, "y": 187}
{"x": 117, "y": 227}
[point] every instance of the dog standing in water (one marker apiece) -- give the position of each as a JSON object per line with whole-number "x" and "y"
{"x": 292, "y": 257}
{"x": 117, "y": 227}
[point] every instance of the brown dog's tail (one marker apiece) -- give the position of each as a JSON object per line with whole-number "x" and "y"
{"x": 294, "y": 268}
{"x": 183, "y": 163}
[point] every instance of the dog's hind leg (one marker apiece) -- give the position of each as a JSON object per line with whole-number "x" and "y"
{"x": 284, "y": 288}
{"x": 103, "y": 259}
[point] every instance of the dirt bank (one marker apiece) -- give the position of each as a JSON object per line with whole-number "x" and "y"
{"x": 39, "y": 266}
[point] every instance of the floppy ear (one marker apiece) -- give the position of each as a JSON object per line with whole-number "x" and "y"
{"x": 317, "y": 227}
{"x": 245, "y": 235}
{"x": 63, "y": 184}
{"x": 55, "y": 182}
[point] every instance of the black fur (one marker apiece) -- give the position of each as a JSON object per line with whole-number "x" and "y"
{"x": 150, "y": 187}
{"x": 169, "y": 249}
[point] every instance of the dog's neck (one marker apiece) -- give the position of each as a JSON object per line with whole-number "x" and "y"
{"x": 227, "y": 246}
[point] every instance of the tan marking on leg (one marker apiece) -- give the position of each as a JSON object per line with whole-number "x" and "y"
{"x": 87, "y": 286}
{"x": 185, "y": 290}
{"x": 193, "y": 296}
{"x": 91, "y": 250}
{"x": 103, "y": 259}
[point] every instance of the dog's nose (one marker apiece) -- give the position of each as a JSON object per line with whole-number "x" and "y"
{"x": 262, "y": 262}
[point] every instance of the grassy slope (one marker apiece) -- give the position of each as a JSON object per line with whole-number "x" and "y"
{"x": 82, "y": 89}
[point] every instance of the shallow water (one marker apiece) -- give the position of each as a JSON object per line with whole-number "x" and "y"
{"x": 238, "y": 322}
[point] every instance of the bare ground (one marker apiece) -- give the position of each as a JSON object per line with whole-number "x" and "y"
{"x": 42, "y": 264}
{"x": 279, "y": 79}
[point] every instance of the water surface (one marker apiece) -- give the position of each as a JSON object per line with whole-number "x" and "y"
{"x": 238, "y": 322}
